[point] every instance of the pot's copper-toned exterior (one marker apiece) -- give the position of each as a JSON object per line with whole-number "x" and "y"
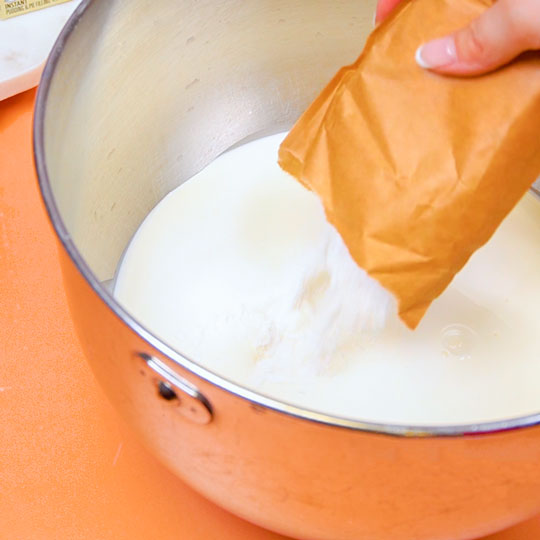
{"x": 306, "y": 479}
{"x": 136, "y": 97}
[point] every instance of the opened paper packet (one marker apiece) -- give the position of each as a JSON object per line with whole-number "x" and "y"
{"x": 417, "y": 170}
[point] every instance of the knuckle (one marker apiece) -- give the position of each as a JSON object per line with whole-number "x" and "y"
{"x": 471, "y": 46}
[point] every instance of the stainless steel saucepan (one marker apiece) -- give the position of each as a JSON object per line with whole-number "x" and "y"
{"x": 138, "y": 96}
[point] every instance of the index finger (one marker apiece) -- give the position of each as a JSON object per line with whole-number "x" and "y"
{"x": 384, "y": 8}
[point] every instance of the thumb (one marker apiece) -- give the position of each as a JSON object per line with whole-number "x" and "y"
{"x": 502, "y": 32}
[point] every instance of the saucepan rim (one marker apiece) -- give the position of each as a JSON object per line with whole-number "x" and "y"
{"x": 400, "y": 430}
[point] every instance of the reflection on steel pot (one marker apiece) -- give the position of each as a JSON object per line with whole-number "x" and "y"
{"x": 137, "y": 97}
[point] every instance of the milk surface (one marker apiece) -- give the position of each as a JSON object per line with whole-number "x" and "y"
{"x": 239, "y": 270}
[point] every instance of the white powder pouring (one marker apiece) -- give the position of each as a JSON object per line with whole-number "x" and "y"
{"x": 329, "y": 306}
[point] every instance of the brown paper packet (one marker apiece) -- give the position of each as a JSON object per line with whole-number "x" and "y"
{"x": 416, "y": 170}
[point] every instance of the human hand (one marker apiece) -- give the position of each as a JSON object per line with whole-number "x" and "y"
{"x": 502, "y": 32}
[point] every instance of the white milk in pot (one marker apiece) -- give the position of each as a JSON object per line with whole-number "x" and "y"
{"x": 239, "y": 270}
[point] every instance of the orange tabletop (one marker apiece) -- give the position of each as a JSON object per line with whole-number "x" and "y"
{"x": 69, "y": 468}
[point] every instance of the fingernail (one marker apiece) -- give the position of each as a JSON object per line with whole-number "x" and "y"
{"x": 437, "y": 53}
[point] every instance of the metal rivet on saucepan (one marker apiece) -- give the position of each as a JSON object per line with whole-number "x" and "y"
{"x": 166, "y": 392}
{"x": 184, "y": 397}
